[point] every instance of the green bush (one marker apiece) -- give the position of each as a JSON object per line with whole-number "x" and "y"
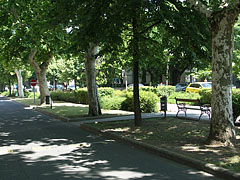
{"x": 81, "y": 95}
{"x": 236, "y": 103}
{"x": 205, "y": 96}
{"x": 113, "y": 103}
{"x": 105, "y": 91}
{"x": 183, "y": 95}
{"x": 5, "y": 93}
{"x": 63, "y": 96}
{"x": 148, "y": 102}
{"x": 160, "y": 91}
{"x": 120, "y": 93}
{"x": 31, "y": 95}
{"x": 165, "y": 90}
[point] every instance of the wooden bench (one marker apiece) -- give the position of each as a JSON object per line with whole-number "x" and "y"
{"x": 204, "y": 108}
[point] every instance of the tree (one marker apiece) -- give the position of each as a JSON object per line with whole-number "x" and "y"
{"x": 221, "y": 16}
{"x": 29, "y": 24}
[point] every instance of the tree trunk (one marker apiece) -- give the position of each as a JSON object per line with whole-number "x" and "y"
{"x": 174, "y": 77}
{"x": 222, "y": 127}
{"x": 137, "y": 110}
{"x": 40, "y": 71}
{"x": 10, "y": 88}
{"x": 20, "y": 83}
{"x": 93, "y": 100}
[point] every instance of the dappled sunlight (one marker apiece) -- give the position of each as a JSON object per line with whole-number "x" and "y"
{"x": 54, "y": 152}
{"x": 201, "y": 173}
{"x": 172, "y": 128}
{"x": 123, "y": 174}
{"x": 192, "y": 148}
{"x": 4, "y": 134}
{"x": 124, "y": 129}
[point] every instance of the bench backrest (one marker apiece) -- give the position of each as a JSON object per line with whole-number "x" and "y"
{"x": 188, "y": 100}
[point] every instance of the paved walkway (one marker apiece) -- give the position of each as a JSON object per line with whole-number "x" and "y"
{"x": 172, "y": 111}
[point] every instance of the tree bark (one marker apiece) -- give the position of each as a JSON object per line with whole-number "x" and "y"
{"x": 137, "y": 110}
{"x": 20, "y": 83}
{"x": 93, "y": 100}
{"x": 10, "y": 87}
{"x": 40, "y": 71}
{"x": 222, "y": 126}
{"x": 222, "y": 130}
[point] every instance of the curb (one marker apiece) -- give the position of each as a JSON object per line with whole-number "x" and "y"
{"x": 52, "y": 115}
{"x": 174, "y": 156}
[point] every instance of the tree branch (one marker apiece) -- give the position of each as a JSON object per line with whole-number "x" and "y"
{"x": 45, "y": 64}
{"x": 150, "y": 27}
{"x": 200, "y": 7}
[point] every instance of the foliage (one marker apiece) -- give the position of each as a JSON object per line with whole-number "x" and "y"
{"x": 63, "y": 96}
{"x": 184, "y": 95}
{"x": 81, "y": 95}
{"x": 120, "y": 93}
{"x": 236, "y": 103}
{"x": 165, "y": 90}
{"x": 5, "y": 93}
{"x": 203, "y": 74}
{"x": 159, "y": 90}
{"x": 148, "y": 102}
{"x": 107, "y": 91}
{"x": 206, "y": 95}
{"x": 113, "y": 103}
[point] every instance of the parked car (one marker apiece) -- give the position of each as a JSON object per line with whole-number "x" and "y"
{"x": 60, "y": 87}
{"x": 71, "y": 87}
{"x": 181, "y": 87}
{"x": 50, "y": 87}
{"x": 196, "y": 86}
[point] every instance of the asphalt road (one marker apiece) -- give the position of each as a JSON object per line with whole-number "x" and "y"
{"x": 36, "y": 147}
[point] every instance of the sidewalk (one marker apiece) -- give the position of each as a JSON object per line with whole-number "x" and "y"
{"x": 125, "y": 115}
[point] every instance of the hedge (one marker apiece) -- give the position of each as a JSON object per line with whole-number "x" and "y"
{"x": 206, "y": 95}
{"x": 81, "y": 95}
{"x": 159, "y": 90}
{"x": 63, "y": 96}
{"x": 148, "y": 102}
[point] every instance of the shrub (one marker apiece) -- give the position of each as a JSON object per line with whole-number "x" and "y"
{"x": 63, "y": 96}
{"x": 236, "y": 103}
{"x": 205, "y": 96}
{"x": 106, "y": 91}
{"x": 5, "y": 93}
{"x": 81, "y": 95}
{"x": 165, "y": 90}
{"x": 148, "y": 102}
{"x": 113, "y": 103}
{"x": 31, "y": 95}
{"x": 120, "y": 93}
{"x": 183, "y": 95}
{"x": 160, "y": 91}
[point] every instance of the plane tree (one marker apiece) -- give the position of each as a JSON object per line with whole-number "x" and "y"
{"x": 29, "y": 23}
{"x": 221, "y": 16}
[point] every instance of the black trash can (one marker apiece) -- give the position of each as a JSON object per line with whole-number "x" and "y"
{"x": 47, "y": 99}
{"x": 163, "y": 104}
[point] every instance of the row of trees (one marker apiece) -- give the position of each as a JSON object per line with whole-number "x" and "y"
{"x": 146, "y": 34}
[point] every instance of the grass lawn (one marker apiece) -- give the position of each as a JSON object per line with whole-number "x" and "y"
{"x": 69, "y": 110}
{"x": 28, "y": 101}
{"x": 183, "y": 136}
